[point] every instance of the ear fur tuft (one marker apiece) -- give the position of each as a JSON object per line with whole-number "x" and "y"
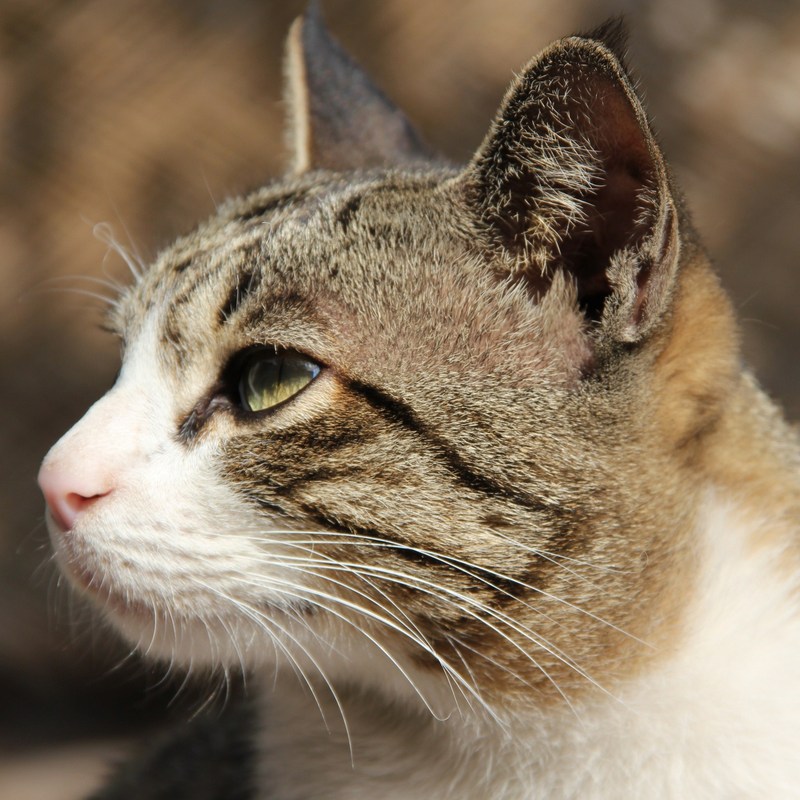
{"x": 612, "y": 34}
{"x": 570, "y": 178}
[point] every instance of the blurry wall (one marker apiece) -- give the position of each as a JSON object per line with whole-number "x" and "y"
{"x": 143, "y": 114}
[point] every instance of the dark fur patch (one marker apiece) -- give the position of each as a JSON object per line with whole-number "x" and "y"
{"x": 320, "y": 438}
{"x": 172, "y": 338}
{"x": 246, "y": 282}
{"x": 613, "y": 33}
{"x": 210, "y": 757}
{"x": 191, "y": 425}
{"x": 183, "y": 265}
{"x": 345, "y": 215}
{"x": 272, "y": 204}
{"x": 292, "y": 486}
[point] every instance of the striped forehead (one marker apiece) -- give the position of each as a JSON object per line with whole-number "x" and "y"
{"x": 285, "y": 255}
{"x": 252, "y": 257}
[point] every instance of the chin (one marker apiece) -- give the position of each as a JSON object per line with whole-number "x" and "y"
{"x": 215, "y": 641}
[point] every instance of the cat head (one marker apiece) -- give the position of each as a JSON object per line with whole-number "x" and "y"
{"x": 403, "y": 423}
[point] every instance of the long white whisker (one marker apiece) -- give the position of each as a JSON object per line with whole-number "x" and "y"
{"x": 466, "y": 604}
{"x": 109, "y": 301}
{"x": 551, "y": 558}
{"x": 472, "y": 608}
{"x": 458, "y": 564}
{"x": 104, "y": 232}
{"x": 295, "y": 590}
{"x": 580, "y": 562}
{"x": 107, "y": 282}
{"x": 406, "y": 619}
{"x": 266, "y": 623}
{"x": 310, "y": 592}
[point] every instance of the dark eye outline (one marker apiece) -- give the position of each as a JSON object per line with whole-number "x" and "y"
{"x": 235, "y": 375}
{"x": 225, "y": 395}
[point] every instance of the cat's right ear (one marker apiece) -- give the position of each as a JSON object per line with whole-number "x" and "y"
{"x": 570, "y": 179}
{"x": 338, "y": 119}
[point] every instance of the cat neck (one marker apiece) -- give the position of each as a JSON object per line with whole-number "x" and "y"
{"x": 613, "y": 741}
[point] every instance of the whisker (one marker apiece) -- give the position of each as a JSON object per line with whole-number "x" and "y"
{"x": 111, "y": 302}
{"x": 470, "y": 608}
{"x": 461, "y": 565}
{"x": 306, "y": 592}
{"x": 406, "y": 621}
{"x": 561, "y": 557}
{"x": 266, "y": 624}
{"x": 104, "y": 232}
{"x": 526, "y": 632}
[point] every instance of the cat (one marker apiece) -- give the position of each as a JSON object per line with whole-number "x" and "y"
{"x": 459, "y": 464}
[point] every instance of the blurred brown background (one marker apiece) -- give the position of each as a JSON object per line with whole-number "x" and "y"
{"x": 143, "y": 114}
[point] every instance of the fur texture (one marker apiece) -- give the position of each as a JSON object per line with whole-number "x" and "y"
{"x": 530, "y": 533}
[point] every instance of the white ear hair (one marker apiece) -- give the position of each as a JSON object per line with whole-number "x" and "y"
{"x": 338, "y": 119}
{"x": 570, "y": 177}
{"x": 298, "y": 132}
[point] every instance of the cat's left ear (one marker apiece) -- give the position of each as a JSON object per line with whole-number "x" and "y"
{"x": 339, "y": 120}
{"x": 571, "y": 178}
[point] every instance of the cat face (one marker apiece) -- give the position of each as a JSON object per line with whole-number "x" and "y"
{"x": 391, "y": 415}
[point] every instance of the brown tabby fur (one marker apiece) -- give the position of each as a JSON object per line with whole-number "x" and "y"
{"x": 532, "y": 370}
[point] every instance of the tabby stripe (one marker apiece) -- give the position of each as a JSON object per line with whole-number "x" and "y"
{"x": 183, "y": 265}
{"x": 271, "y": 204}
{"x": 344, "y": 526}
{"x": 488, "y": 580}
{"x": 399, "y": 413}
{"x": 291, "y": 486}
{"x": 244, "y": 285}
{"x": 346, "y": 213}
{"x": 191, "y": 285}
{"x": 172, "y": 339}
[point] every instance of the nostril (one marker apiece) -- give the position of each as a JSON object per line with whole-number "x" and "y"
{"x": 78, "y": 503}
{"x": 65, "y": 491}
{"x": 66, "y": 508}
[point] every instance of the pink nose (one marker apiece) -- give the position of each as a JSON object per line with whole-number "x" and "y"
{"x": 68, "y": 495}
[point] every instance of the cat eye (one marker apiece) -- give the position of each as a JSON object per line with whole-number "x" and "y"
{"x": 270, "y": 377}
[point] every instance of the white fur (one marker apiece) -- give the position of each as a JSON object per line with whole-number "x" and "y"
{"x": 718, "y": 717}
{"x": 160, "y": 550}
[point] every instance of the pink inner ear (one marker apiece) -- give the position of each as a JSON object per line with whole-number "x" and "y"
{"x": 569, "y": 174}
{"x": 622, "y": 213}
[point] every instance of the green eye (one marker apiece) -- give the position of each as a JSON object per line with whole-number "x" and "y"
{"x": 269, "y": 378}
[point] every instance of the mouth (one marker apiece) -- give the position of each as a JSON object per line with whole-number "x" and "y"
{"x": 130, "y": 607}
{"x": 88, "y": 581}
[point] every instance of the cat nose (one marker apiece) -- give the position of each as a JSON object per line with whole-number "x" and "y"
{"x": 69, "y": 493}
{"x": 94, "y": 458}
